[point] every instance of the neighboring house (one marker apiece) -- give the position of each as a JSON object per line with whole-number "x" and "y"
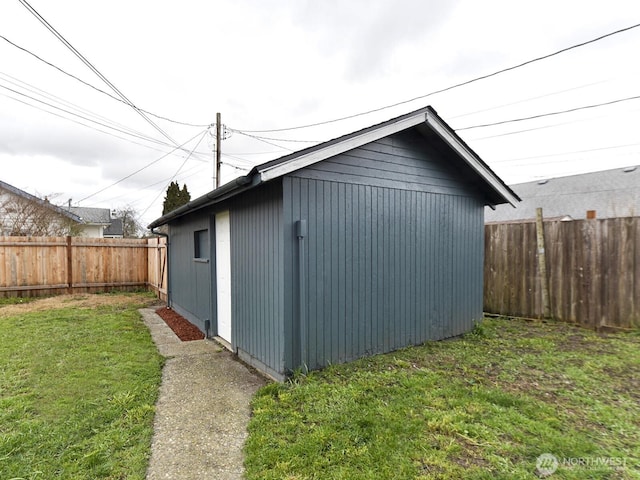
{"x": 95, "y": 221}
{"x": 115, "y": 229}
{"x": 360, "y": 245}
{"x": 605, "y": 194}
{"x": 24, "y": 214}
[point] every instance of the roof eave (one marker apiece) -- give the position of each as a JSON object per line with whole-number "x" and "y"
{"x": 221, "y": 193}
{"x": 336, "y": 148}
{"x": 445, "y": 133}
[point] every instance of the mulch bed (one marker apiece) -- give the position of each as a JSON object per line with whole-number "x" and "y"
{"x": 185, "y": 330}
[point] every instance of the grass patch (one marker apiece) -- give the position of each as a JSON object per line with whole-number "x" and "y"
{"x": 78, "y": 385}
{"x": 16, "y": 300}
{"x": 479, "y": 407}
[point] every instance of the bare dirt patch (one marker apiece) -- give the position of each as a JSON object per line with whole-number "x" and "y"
{"x": 76, "y": 301}
{"x": 185, "y": 330}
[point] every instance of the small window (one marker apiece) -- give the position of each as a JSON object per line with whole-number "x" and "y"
{"x": 201, "y": 243}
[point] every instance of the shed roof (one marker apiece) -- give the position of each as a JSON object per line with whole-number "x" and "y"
{"x": 425, "y": 120}
{"x": 610, "y": 193}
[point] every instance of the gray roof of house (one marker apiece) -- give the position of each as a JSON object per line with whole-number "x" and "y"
{"x": 425, "y": 120}
{"x": 611, "y": 193}
{"x": 115, "y": 229}
{"x": 33, "y": 198}
{"x": 93, "y": 216}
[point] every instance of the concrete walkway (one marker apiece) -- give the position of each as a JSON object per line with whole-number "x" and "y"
{"x": 203, "y": 409}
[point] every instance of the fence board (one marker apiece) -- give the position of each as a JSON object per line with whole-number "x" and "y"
{"x": 593, "y": 268}
{"x": 36, "y": 266}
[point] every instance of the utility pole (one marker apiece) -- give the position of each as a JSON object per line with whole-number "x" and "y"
{"x": 218, "y": 149}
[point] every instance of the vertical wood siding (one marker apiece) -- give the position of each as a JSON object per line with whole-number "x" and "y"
{"x": 191, "y": 280}
{"x": 385, "y": 267}
{"x": 257, "y": 275}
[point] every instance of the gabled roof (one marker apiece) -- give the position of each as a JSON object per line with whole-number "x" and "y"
{"x": 611, "y": 193}
{"x": 93, "y": 216}
{"x": 33, "y": 198}
{"x": 426, "y": 120}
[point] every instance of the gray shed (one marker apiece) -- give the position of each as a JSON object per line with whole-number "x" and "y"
{"x": 360, "y": 245}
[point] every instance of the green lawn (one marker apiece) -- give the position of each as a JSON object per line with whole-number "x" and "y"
{"x": 484, "y": 406}
{"x": 78, "y": 385}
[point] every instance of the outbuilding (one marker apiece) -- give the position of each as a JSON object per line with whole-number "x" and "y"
{"x": 360, "y": 245}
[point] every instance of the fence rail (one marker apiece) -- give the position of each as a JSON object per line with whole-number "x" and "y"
{"x": 37, "y": 266}
{"x": 593, "y": 269}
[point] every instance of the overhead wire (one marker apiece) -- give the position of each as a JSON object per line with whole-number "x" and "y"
{"x": 589, "y": 150}
{"x": 549, "y": 114}
{"x": 160, "y": 117}
{"x": 84, "y": 124}
{"x": 260, "y": 137}
{"x": 84, "y": 60}
{"x": 197, "y": 168}
{"x": 140, "y": 169}
{"x": 451, "y": 87}
{"x": 262, "y": 140}
{"x": 525, "y": 100}
{"x": 130, "y": 133}
{"x": 111, "y": 124}
{"x": 175, "y": 174}
{"x": 37, "y": 91}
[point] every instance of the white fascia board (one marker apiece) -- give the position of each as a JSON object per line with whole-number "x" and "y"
{"x": 340, "y": 147}
{"x": 470, "y": 158}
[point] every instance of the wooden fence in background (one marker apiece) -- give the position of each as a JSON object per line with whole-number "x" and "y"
{"x": 593, "y": 269}
{"x": 38, "y": 266}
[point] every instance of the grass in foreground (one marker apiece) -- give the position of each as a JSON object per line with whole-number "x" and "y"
{"x": 483, "y": 406}
{"x": 78, "y": 385}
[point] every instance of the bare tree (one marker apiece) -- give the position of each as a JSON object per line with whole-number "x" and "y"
{"x": 34, "y": 217}
{"x": 131, "y": 227}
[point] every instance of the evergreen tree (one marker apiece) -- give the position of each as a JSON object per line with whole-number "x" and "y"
{"x": 175, "y": 197}
{"x": 185, "y": 196}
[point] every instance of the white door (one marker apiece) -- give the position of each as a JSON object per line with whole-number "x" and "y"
{"x": 223, "y": 274}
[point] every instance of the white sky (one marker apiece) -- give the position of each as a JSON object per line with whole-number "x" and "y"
{"x": 278, "y": 64}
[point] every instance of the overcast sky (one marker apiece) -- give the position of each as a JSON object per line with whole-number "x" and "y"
{"x": 271, "y": 65}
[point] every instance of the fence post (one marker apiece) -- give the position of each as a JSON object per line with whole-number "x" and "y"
{"x": 542, "y": 264}
{"x": 69, "y": 266}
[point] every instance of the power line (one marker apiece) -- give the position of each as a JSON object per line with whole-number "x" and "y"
{"x": 95, "y": 70}
{"x": 131, "y": 132}
{"x": 31, "y": 88}
{"x": 175, "y": 174}
{"x": 457, "y": 85}
{"x": 549, "y": 114}
{"x": 497, "y": 107}
{"x": 197, "y": 168}
{"x": 259, "y": 137}
{"x": 88, "y": 126}
{"x": 113, "y": 97}
{"x": 589, "y": 150}
{"x": 140, "y": 169}
{"x": 262, "y": 140}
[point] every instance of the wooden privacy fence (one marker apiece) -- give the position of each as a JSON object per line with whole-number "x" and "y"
{"x": 36, "y": 266}
{"x": 593, "y": 269}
